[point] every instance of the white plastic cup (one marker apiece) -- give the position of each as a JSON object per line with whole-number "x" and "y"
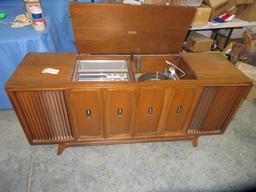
{"x": 39, "y": 25}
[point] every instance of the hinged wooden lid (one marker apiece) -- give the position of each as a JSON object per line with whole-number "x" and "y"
{"x": 129, "y": 29}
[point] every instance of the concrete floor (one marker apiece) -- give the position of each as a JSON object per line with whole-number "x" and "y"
{"x": 220, "y": 163}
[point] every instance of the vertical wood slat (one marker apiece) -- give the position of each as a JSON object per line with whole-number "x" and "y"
{"x": 46, "y": 115}
{"x": 54, "y": 114}
{"x": 61, "y": 115}
{"x": 215, "y": 106}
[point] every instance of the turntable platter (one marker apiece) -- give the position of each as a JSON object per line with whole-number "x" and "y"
{"x": 153, "y": 76}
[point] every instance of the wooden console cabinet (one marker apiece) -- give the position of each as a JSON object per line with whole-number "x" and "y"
{"x": 53, "y": 109}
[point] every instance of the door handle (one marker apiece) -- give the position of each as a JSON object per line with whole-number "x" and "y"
{"x": 179, "y": 109}
{"x": 88, "y": 113}
{"x": 120, "y": 112}
{"x": 150, "y": 111}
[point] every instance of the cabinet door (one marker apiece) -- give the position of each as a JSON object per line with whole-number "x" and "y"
{"x": 180, "y": 107}
{"x": 120, "y": 111}
{"x": 87, "y": 106}
{"x": 149, "y": 110}
{"x": 215, "y": 109}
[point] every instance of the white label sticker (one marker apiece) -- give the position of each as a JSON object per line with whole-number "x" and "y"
{"x": 51, "y": 71}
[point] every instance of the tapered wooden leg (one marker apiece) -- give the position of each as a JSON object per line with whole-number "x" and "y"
{"x": 195, "y": 141}
{"x": 61, "y": 148}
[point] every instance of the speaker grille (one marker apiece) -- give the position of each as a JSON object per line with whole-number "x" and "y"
{"x": 215, "y": 109}
{"x": 45, "y": 113}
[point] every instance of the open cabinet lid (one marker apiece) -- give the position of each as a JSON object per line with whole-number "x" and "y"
{"x": 129, "y": 29}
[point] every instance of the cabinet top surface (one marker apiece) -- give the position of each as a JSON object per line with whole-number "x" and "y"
{"x": 213, "y": 66}
{"x": 208, "y": 69}
{"x": 29, "y": 72}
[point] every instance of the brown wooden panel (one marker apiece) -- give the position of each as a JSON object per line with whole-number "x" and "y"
{"x": 216, "y": 105}
{"x": 180, "y": 108}
{"x": 207, "y": 66}
{"x": 29, "y": 73}
{"x": 46, "y": 115}
{"x": 122, "y": 28}
{"x": 120, "y": 111}
{"x": 88, "y": 107}
{"x": 150, "y": 106}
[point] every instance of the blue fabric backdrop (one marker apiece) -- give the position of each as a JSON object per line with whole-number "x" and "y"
{"x": 16, "y": 42}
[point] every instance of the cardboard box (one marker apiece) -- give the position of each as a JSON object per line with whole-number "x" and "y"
{"x": 220, "y": 6}
{"x": 199, "y": 43}
{"x": 195, "y": 3}
{"x": 250, "y": 41}
{"x": 221, "y": 41}
{"x": 245, "y": 2}
{"x": 235, "y": 51}
{"x": 247, "y": 12}
{"x": 249, "y": 71}
{"x": 214, "y": 3}
{"x": 157, "y": 2}
{"x": 202, "y": 15}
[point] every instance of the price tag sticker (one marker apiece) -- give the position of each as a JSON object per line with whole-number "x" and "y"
{"x": 51, "y": 71}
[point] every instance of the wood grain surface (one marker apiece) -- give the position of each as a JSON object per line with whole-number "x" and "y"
{"x": 129, "y": 29}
